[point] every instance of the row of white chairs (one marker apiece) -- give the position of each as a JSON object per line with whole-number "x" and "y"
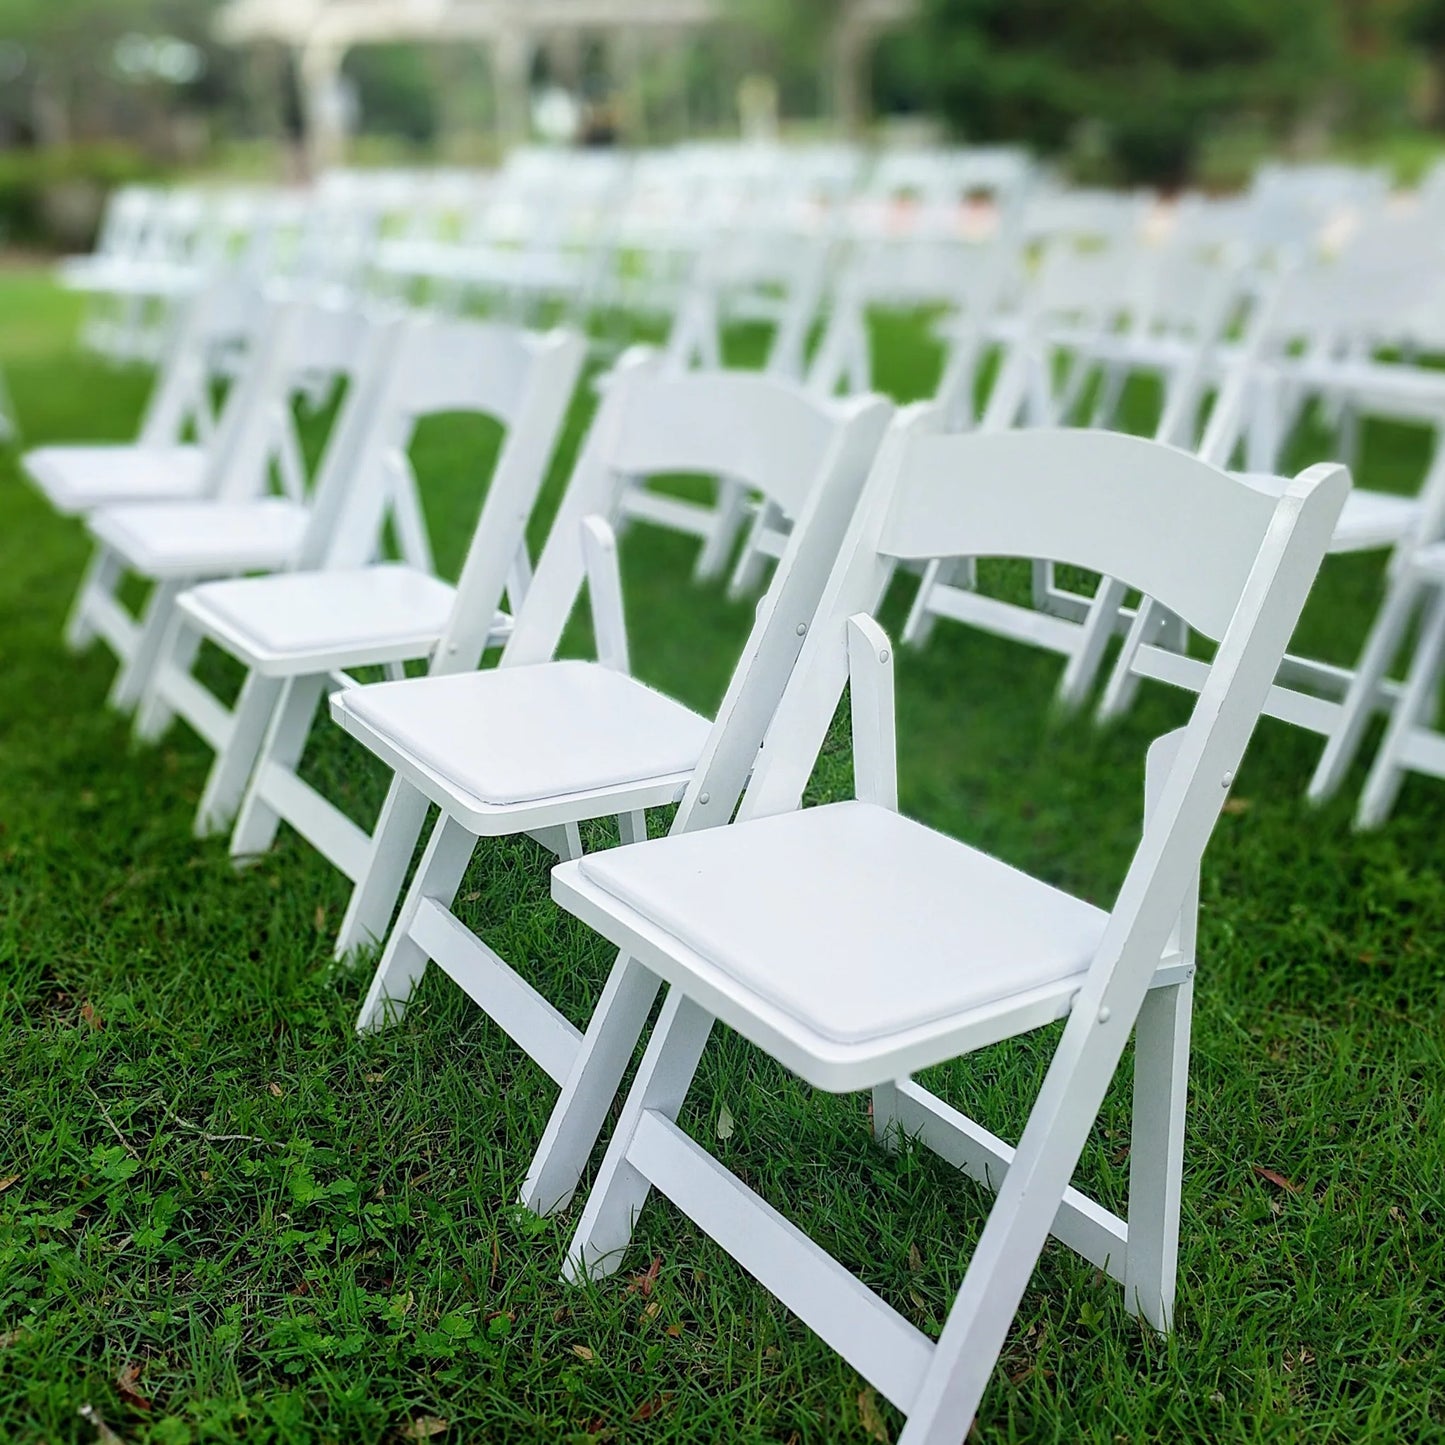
{"x": 853, "y": 944}
{"x": 1077, "y": 294}
{"x": 1281, "y": 301}
{"x": 590, "y": 229}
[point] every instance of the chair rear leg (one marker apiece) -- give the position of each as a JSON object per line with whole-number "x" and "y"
{"x": 1387, "y": 772}
{"x": 730, "y": 518}
{"x": 1343, "y": 743}
{"x": 291, "y": 711}
{"x": 884, "y": 1108}
{"x": 1088, "y": 655}
{"x": 402, "y": 961}
{"x": 1156, "y": 1154}
{"x": 1123, "y": 684}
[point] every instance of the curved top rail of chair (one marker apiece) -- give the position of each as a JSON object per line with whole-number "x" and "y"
{"x": 1139, "y": 511}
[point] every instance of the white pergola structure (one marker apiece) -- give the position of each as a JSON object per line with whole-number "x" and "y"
{"x": 320, "y": 33}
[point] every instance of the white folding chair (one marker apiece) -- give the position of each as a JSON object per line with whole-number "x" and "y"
{"x": 1300, "y": 346}
{"x": 237, "y": 527}
{"x": 1098, "y": 311}
{"x": 298, "y": 631}
{"x": 771, "y": 276}
{"x": 871, "y": 947}
{"x": 537, "y": 743}
{"x": 1412, "y": 742}
{"x": 179, "y": 449}
{"x": 136, "y": 286}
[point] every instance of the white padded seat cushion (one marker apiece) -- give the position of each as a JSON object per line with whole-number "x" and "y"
{"x": 853, "y": 920}
{"x": 80, "y": 478}
{"x": 523, "y": 734}
{"x": 1369, "y": 519}
{"x": 310, "y": 612}
{"x": 194, "y": 539}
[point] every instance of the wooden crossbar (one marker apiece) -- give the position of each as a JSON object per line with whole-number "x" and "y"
{"x": 490, "y": 982}
{"x": 872, "y": 1336}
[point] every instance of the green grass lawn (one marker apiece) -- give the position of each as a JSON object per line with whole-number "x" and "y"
{"x": 224, "y": 1217}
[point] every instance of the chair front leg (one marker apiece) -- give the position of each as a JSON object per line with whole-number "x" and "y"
{"x": 580, "y": 1113}
{"x": 1123, "y": 683}
{"x": 393, "y": 842}
{"x": 137, "y": 670}
{"x": 235, "y": 760}
{"x": 290, "y": 710}
{"x": 1088, "y": 655}
{"x": 662, "y": 1082}
{"x": 102, "y": 576}
{"x": 1360, "y": 701}
{"x": 1156, "y": 1153}
{"x": 178, "y": 652}
{"x": 1018, "y": 1227}
{"x": 1412, "y": 708}
{"x": 728, "y": 520}
{"x": 402, "y": 962}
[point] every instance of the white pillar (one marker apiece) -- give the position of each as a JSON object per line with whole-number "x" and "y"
{"x": 512, "y": 81}
{"x": 323, "y": 104}
{"x": 851, "y": 46}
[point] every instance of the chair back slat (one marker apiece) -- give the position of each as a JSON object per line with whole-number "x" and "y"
{"x": 771, "y": 435}
{"x": 760, "y": 432}
{"x": 1131, "y": 509}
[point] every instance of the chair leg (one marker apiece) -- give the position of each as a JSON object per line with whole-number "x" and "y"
{"x": 748, "y": 574}
{"x": 1018, "y": 1227}
{"x": 102, "y": 576}
{"x": 1111, "y": 391}
{"x": 576, "y": 1123}
{"x": 1387, "y": 772}
{"x": 1156, "y": 1155}
{"x": 1343, "y": 743}
{"x": 632, "y": 827}
{"x": 661, "y": 1085}
{"x": 393, "y": 842}
{"x": 885, "y": 1115}
{"x": 235, "y": 760}
{"x": 1123, "y": 682}
{"x": 727, "y": 523}
{"x": 949, "y": 572}
{"x": 291, "y": 713}
{"x": 137, "y": 670}
{"x": 919, "y": 626}
{"x": 178, "y": 650}
{"x": 1088, "y": 655}
{"x": 402, "y": 961}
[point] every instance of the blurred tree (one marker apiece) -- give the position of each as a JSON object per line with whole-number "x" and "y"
{"x": 1425, "y": 25}
{"x": 791, "y": 43}
{"x": 1152, "y": 75}
{"x": 87, "y": 69}
{"x": 396, "y": 90}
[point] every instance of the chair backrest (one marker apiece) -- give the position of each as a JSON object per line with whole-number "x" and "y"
{"x": 520, "y": 379}
{"x": 220, "y": 318}
{"x": 303, "y": 348}
{"x": 768, "y": 435}
{"x": 1234, "y": 560}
